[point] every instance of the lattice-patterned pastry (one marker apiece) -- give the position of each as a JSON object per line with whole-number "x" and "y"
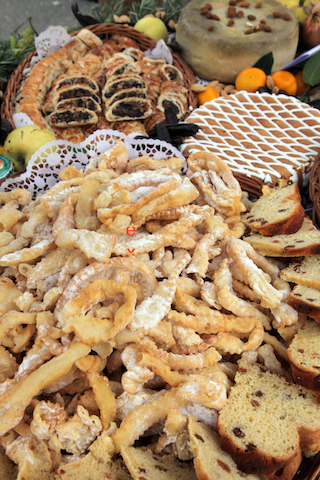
{"x": 261, "y": 137}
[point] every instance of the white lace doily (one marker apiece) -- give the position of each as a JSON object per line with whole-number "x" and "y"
{"x": 160, "y": 50}
{"x": 45, "y": 165}
{"x": 49, "y": 41}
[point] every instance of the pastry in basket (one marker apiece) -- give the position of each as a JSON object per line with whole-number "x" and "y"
{"x": 129, "y": 108}
{"x": 122, "y": 82}
{"x": 106, "y": 50}
{"x": 177, "y": 101}
{"x": 74, "y": 91}
{"x": 134, "y": 52}
{"x": 151, "y": 64}
{"x": 80, "y": 102}
{"x": 121, "y": 63}
{"x": 94, "y": 72}
{"x": 156, "y": 117}
{"x": 131, "y": 126}
{"x": 39, "y": 80}
{"x": 170, "y": 72}
{"x": 75, "y": 80}
{"x": 153, "y": 81}
{"x": 69, "y": 87}
{"x": 72, "y": 134}
{"x": 72, "y": 116}
{"x": 126, "y": 93}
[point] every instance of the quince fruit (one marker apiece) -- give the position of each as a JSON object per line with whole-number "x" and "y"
{"x": 300, "y": 14}
{"x": 23, "y": 142}
{"x": 152, "y": 26}
{"x": 291, "y": 4}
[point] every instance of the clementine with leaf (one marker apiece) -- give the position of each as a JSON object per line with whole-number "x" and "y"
{"x": 285, "y": 80}
{"x": 209, "y": 94}
{"x": 301, "y": 84}
{"x": 250, "y": 79}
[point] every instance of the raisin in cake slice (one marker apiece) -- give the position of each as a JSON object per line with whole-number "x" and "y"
{"x": 268, "y": 423}
{"x": 304, "y": 356}
{"x": 210, "y": 461}
{"x": 304, "y": 272}
{"x": 305, "y": 300}
{"x": 304, "y": 242}
{"x": 144, "y": 464}
{"x": 277, "y": 211}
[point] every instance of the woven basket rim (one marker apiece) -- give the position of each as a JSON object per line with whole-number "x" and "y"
{"x": 109, "y": 29}
{"x": 314, "y": 189}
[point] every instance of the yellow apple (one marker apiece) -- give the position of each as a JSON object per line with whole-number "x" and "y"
{"x": 152, "y": 26}
{"x": 300, "y": 14}
{"x": 291, "y": 4}
{"x": 22, "y": 142}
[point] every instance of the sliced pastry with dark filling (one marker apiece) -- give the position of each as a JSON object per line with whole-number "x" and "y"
{"x": 80, "y": 102}
{"x": 121, "y": 82}
{"x": 75, "y": 91}
{"x": 130, "y": 108}
{"x": 72, "y": 117}
{"x": 126, "y": 93}
{"x": 177, "y": 101}
{"x": 77, "y": 80}
{"x": 170, "y": 72}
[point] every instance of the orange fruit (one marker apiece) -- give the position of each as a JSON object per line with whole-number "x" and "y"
{"x": 250, "y": 79}
{"x": 301, "y": 84}
{"x": 209, "y": 94}
{"x": 285, "y": 81}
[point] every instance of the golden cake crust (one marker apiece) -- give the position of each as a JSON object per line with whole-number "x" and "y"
{"x": 221, "y": 53}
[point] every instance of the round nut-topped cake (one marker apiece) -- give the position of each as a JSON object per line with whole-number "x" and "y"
{"x": 220, "y": 38}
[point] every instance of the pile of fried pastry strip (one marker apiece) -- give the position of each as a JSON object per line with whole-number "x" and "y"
{"x": 127, "y": 296}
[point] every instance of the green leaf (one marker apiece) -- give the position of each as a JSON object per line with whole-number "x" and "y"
{"x": 265, "y": 63}
{"x": 141, "y": 8}
{"x": 104, "y": 13}
{"x": 311, "y": 70}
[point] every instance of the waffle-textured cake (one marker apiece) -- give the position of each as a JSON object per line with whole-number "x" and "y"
{"x": 261, "y": 137}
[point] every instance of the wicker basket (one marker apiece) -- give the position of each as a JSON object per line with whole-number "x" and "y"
{"x": 314, "y": 190}
{"x": 106, "y": 30}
